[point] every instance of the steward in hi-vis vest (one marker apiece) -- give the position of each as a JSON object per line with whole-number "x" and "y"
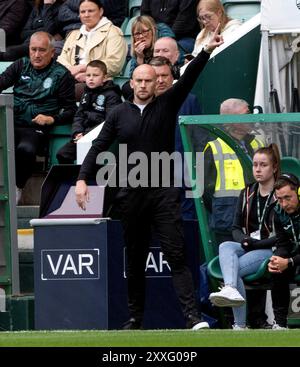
{"x": 224, "y": 180}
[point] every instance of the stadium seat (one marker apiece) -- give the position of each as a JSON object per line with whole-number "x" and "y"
{"x": 59, "y": 135}
{"x": 127, "y": 31}
{"x": 3, "y": 66}
{"x": 124, "y": 76}
{"x": 134, "y": 8}
{"x": 2, "y": 40}
{"x": 214, "y": 271}
{"x": 290, "y": 165}
{"x": 126, "y": 70}
{"x": 242, "y": 10}
{"x": 124, "y": 24}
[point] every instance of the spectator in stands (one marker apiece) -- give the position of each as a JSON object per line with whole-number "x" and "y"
{"x": 13, "y": 16}
{"x": 180, "y": 15}
{"x": 165, "y": 78}
{"x": 252, "y": 232}
{"x": 99, "y": 98}
{"x": 151, "y": 129}
{"x": 284, "y": 265}
{"x": 210, "y": 13}
{"x": 167, "y": 47}
{"x": 43, "y": 97}
{"x": 97, "y": 39}
{"x": 114, "y": 10}
{"x": 43, "y": 17}
{"x": 144, "y": 33}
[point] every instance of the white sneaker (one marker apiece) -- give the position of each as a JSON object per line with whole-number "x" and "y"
{"x": 201, "y": 325}
{"x": 278, "y": 327}
{"x": 18, "y": 195}
{"x": 196, "y": 323}
{"x": 227, "y": 297}
{"x": 239, "y": 328}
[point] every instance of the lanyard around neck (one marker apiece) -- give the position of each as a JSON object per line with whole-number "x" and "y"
{"x": 261, "y": 218}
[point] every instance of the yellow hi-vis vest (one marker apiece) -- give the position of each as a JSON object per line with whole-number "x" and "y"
{"x": 230, "y": 178}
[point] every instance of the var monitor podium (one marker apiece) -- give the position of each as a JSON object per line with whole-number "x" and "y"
{"x": 80, "y": 264}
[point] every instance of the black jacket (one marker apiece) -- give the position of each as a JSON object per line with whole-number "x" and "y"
{"x": 243, "y": 223}
{"x": 153, "y": 130}
{"x": 94, "y": 107}
{"x": 285, "y": 242}
{"x": 180, "y": 15}
{"x": 43, "y": 18}
{"x": 13, "y": 16}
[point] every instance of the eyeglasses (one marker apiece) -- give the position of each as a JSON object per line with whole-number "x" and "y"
{"x": 205, "y": 18}
{"x": 143, "y": 33}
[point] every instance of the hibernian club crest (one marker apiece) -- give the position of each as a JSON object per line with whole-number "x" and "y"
{"x": 100, "y": 103}
{"x": 47, "y": 83}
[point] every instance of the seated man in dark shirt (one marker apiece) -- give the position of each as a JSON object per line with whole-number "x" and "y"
{"x": 286, "y": 260}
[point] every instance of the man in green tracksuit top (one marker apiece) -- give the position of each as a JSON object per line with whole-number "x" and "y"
{"x": 44, "y": 94}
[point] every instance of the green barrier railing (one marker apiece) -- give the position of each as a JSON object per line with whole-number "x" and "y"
{"x": 278, "y": 128}
{"x": 273, "y": 126}
{"x": 9, "y": 266}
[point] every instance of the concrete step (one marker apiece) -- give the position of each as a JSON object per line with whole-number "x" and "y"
{"x": 32, "y": 190}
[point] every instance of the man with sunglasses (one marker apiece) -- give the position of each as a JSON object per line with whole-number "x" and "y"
{"x": 286, "y": 260}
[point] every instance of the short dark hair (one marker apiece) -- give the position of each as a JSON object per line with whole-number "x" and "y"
{"x": 98, "y": 64}
{"x": 161, "y": 61}
{"x": 97, "y": 2}
{"x": 287, "y": 179}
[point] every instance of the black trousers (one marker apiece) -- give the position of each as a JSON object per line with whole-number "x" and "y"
{"x": 256, "y": 304}
{"x": 281, "y": 295}
{"x": 144, "y": 208}
{"x": 29, "y": 142}
{"x": 67, "y": 153}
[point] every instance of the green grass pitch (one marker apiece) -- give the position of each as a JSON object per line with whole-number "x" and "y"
{"x": 152, "y": 338}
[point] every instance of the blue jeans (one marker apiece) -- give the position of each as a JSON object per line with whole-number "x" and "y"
{"x": 236, "y": 263}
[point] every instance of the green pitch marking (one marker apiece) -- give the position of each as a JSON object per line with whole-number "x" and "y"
{"x": 152, "y": 338}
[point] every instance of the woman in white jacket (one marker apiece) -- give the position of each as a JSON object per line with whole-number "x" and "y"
{"x": 209, "y": 14}
{"x": 97, "y": 39}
